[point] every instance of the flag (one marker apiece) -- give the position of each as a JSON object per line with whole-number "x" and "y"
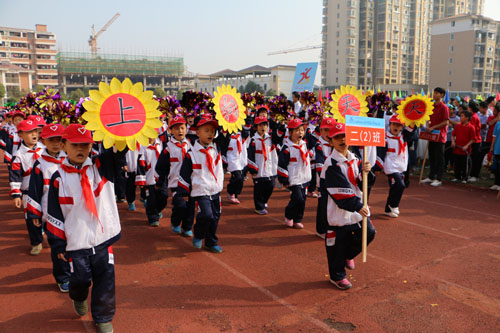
{"x": 319, "y": 96}
{"x": 498, "y": 97}
{"x": 400, "y": 94}
{"x": 447, "y": 97}
{"x": 422, "y": 92}
{"x": 379, "y": 90}
{"x": 394, "y": 95}
{"x": 466, "y": 98}
{"x": 327, "y": 95}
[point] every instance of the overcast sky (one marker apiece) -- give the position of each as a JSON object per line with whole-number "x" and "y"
{"x": 210, "y": 35}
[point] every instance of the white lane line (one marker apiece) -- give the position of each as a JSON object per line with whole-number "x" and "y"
{"x": 457, "y": 207}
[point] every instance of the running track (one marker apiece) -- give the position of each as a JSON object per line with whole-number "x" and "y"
{"x": 434, "y": 269}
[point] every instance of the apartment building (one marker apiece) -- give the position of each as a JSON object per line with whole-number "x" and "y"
{"x": 448, "y": 8}
{"x": 465, "y": 55}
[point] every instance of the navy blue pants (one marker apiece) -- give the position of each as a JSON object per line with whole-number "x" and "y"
{"x": 295, "y": 208}
{"x": 235, "y": 184}
{"x": 182, "y": 212}
{"x": 344, "y": 243}
{"x": 156, "y": 200}
{"x": 396, "y": 189}
{"x": 130, "y": 187}
{"x": 94, "y": 267}
{"x": 120, "y": 184}
{"x": 207, "y": 219}
{"x": 312, "y": 183}
{"x": 262, "y": 190}
{"x": 321, "y": 218}
{"x": 34, "y": 232}
{"x": 60, "y": 268}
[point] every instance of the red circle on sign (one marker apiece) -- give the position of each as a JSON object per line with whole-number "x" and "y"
{"x": 349, "y": 105}
{"x": 229, "y": 108}
{"x": 123, "y": 115}
{"x": 414, "y": 109}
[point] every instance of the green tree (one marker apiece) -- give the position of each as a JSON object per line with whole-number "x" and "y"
{"x": 39, "y": 88}
{"x": 159, "y": 92}
{"x": 2, "y": 91}
{"x": 271, "y": 92}
{"x": 75, "y": 95}
{"x": 251, "y": 86}
{"x": 241, "y": 89}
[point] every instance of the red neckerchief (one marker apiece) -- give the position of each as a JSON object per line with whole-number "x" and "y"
{"x": 210, "y": 160}
{"x": 182, "y": 147}
{"x": 238, "y": 143}
{"x": 350, "y": 173}
{"x": 153, "y": 147}
{"x": 402, "y": 144}
{"x": 52, "y": 159}
{"x": 303, "y": 154}
{"x": 35, "y": 153}
{"x": 264, "y": 151}
{"x": 86, "y": 189}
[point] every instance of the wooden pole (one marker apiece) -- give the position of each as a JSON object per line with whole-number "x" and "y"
{"x": 365, "y": 204}
{"x": 423, "y": 163}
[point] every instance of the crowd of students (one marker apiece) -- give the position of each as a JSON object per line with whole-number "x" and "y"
{"x": 69, "y": 185}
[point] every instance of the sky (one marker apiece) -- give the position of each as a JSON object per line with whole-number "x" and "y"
{"x": 210, "y": 35}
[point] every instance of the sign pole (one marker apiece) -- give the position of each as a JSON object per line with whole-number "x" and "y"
{"x": 423, "y": 163}
{"x": 365, "y": 204}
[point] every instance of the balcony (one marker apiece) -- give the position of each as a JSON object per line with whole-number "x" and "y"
{"x": 47, "y": 82}
{"x": 45, "y": 51}
{"x": 46, "y": 62}
{"x": 45, "y": 41}
{"x": 46, "y": 71}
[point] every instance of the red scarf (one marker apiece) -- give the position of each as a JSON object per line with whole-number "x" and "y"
{"x": 35, "y": 153}
{"x": 153, "y": 147}
{"x": 86, "y": 189}
{"x": 303, "y": 154}
{"x": 350, "y": 173}
{"x": 182, "y": 147}
{"x": 210, "y": 161}
{"x": 264, "y": 151}
{"x": 238, "y": 143}
{"x": 52, "y": 159}
{"x": 402, "y": 144}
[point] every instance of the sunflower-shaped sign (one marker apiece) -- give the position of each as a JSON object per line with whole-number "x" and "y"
{"x": 415, "y": 110}
{"x": 348, "y": 101}
{"x": 122, "y": 114}
{"x": 229, "y": 109}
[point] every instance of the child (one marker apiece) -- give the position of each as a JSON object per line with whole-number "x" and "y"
{"x": 395, "y": 157}
{"x": 462, "y": 137}
{"x": 202, "y": 178}
{"x": 43, "y": 169}
{"x": 19, "y": 174}
{"x": 476, "y": 146}
{"x": 13, "y": 141}
{"x": 294, "y": 171}
{"x": 341, "y": 184}
{"x": 156, "y": 196}
{"x": 237, "y": 161}
{"x": 191, "y": 129}
{"x": 83, "y": 223}
{"x": 131, "y": 160}
{"x": 168, "y": 169}
{"x": 262, "y": 164}
{"x": 495, "y": 150}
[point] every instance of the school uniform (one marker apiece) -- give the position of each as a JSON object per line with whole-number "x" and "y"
{"x": 83, "y": 222}
{"x": 191, "y": 134}
{"x": 463, "y": 135}
{"x": 236, "y": 163}
{"x": 202, "y": 178}
{"x": 294, "y": 170}
{"x": 168, "y": 169}
{"x": 322, "y": 151}
{"x": 19, "y": 176}
{"x": 263, "y": 165}
{"x": 341, "y": 184}
{"x": 38, "y": 191}
{"x": 311, "y": 138}
{"x": 131, "y": 160}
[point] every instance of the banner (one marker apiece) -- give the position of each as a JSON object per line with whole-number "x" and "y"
{"x": 304, "y": 76}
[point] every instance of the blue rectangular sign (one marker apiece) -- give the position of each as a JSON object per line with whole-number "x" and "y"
{"x": 364, "y": 122}
{"x": 305, "y": 74}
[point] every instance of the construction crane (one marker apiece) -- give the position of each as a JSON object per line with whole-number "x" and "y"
{"x": 305, "y": 48}
{"x": 93, "y": 37}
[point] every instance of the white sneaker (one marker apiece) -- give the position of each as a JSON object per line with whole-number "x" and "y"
{"x": 464, "y": 182}
{"x": 495, "y": 188}
{"x": 473, "y": 179}
{"x": 394, "y": 210}
{"x": 454, "y": 180}
{"x": 391, "y": 214}
{"x": 436, "y": 183}
{"x": 426, "y": 181}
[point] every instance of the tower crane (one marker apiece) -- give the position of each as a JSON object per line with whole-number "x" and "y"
{"x": 94, "y": 36}
{"x": 305, "y": 48}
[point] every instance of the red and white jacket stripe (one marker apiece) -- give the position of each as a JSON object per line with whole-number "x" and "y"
{"x": 292, "y": 170}
{"x": 20, "y": 170}
{"x": 170, "y": 161}
{"x": 146, "y": 173}
{"x": 236, "y": 160}
{"x": 257, "y": 165}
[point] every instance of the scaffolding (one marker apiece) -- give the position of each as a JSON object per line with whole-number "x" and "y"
{"x": 118, "y": 64}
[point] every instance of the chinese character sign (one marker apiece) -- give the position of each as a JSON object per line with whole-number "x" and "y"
{"x": 305, "y": 74}
{"x": 348, "y": 101}
{"x": 122, "y": 114}
{"x": 415, "y": 110}
{"x": 365, "y": 131}
{"x": 229, "y": 109}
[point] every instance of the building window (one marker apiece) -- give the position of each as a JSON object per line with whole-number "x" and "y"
{"x": 452, "y": 48}
{"x": 449, "y": 84}
{"x": 452, "y": 23}
{"x": 452, "y": 36}
{"x": 450, "y": 61}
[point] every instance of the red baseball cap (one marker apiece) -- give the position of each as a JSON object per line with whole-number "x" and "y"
{"x": 77, "y": 133}
{"x": 260, "y": 120}
{"x": 26, "y": 126}
{"x": 18, "y": 113}
{"x": 336, "y": 129}
{"x": 207, "y": 120}
{"x": 327, "y": 123}
{"x": 295, "y": 123}
{"x": 176, "y": 120}
{"x": 395, "y": 119}
{"x": 52, "y": 130}
{"x": 37, "y": 119}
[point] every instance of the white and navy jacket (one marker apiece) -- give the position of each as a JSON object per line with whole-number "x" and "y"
{"x": 236, "y": 153}
{"x": 341, "y": 182}
{"x": 20, "y": 170}
{"x": 71, "y": 226}
{"x": 394, "y": 155}
{"x": 146, "y": 173}
{"x": 43, "y": 169}
{"x": 170, "y": 161}
{"x": 262, "y": 157}
{"x": 132, "y": 158}
{"x": 195, "y": 178}
{"x": 294, "y": 164}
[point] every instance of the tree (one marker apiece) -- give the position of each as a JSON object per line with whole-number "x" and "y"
{"x": 251, "y": 86}
{"x": 75, "y": 95}
{"x": 159, "y": 92}
{"x": 241, "y": 89}
{"x": 271, "y": 92}
{"x": 2, "y": 91}
{"x": 39, "y": 88}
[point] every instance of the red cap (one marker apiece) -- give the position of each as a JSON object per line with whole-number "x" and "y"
{"x": 395, "y": 119}
{"x": 26, "y": 126}
{"x": 39, "y": 121}
{"x": 18, "y": 113}
{"x": 294, "y": 123}
{"x": 176, "y": 120}
{"x": 207, "y": 120}
{"x": 76, "y": 133}
{"x": 52, "y": 130}
{"x": 260, "y": 120}
{"x": 336, "y": 129}
{"x": 327, "y": 123}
